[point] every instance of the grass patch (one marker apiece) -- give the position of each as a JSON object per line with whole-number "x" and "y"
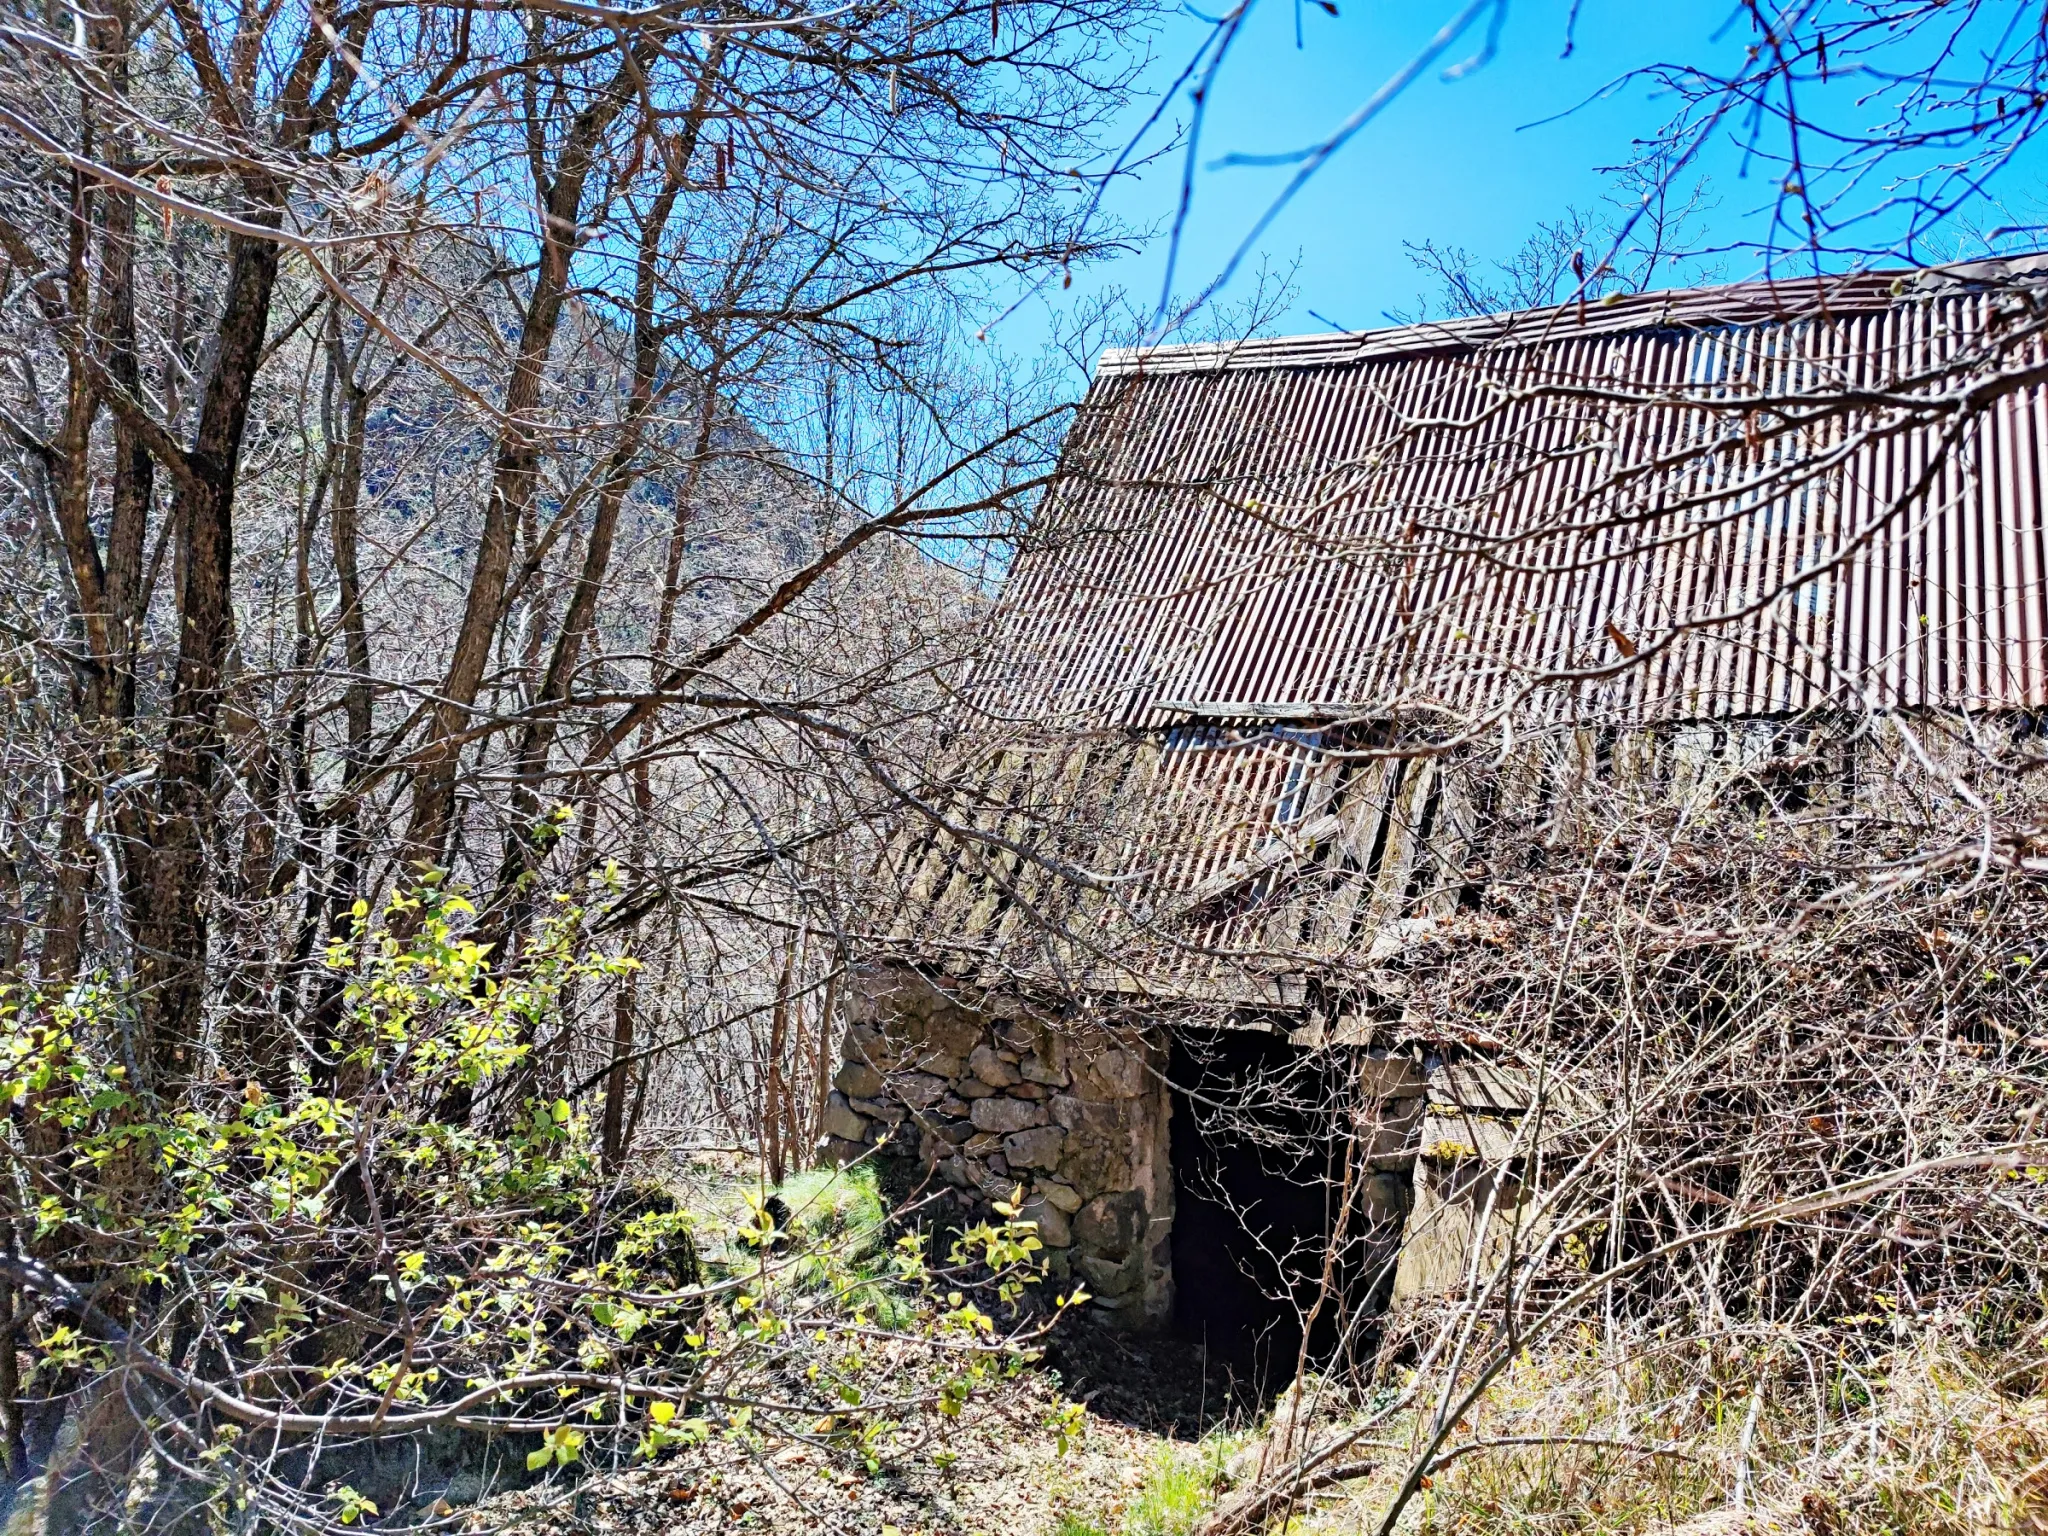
{"x": 836, "y": 1203}
{"x": 837, "y": 1218}
{"x": 1180, "y": 1486}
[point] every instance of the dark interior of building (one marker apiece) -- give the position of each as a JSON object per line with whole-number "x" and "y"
{"x": 1260, "y": 1141}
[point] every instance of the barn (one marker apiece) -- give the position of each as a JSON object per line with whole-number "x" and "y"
{"x": 1309, "y": 626}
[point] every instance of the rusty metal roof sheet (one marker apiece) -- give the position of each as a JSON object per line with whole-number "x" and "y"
{"x": 1748, "y": 500}
{"x": 1649, "y": 529}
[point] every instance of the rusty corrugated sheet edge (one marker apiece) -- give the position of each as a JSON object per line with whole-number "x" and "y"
{"x": 1674, "y": 308}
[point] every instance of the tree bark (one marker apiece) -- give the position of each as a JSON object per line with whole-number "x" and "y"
{"x": 171, "y": 927}
{"x": 516, "y": 470}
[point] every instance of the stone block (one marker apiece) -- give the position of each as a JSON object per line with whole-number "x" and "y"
{"x": 1002, "y": 1115}
{"x": 1099, "y": 1147}
{"x": 1035, "y": 1069}
{"x": 838, "y": 1152}
{"x": 972, "y": 1088}
{"x": 1054, "y": 1230}
{"x": 1110, "y": 1277}
{"x": 954, "y": 1171}
{"x": 1112, "y": 1224}
{"x": 952, "y": 1030}
{"x": 1391, "y": 1077}
{"x": 952, "y": 1132}
{"x": 991, "y": 1068}
{"x": 1063, "y": 1196}
{"x": 920, "y": 1090}
{"x": 1035, "y": 1148}
{"x": 1031, "y": 1091}
{"x": 1386, "y": 1197}
{"x": 953, "y": 1104}
{"x": 1093, "y": 1163}
{"x": 861, "y": 1042}
{"x": 1387, "y": 1128}
{"x": 1114, "y": 1074}
{"x": 857, "y": 1080}
{"x": 888, "y": 1111}
{"x": 937, "y": 1063}
{"x": 993, "y": 1185}
{"x": 840, "y": 1120}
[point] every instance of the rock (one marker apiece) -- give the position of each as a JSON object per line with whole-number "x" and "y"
{"x": 938, "y": 1063}
{"x": 998, "y": 1166}
{"x": 991, "y": 1068}
{"x": 993, "y": 1185}
{"x": 1063, "y": 1196}
{"x": 952, "y": 1030}
{"x": 1119, "y": 1074}
{"x": 1111, "y": 1224}
{"x": 953, "y": 1132}
{"x": 840, "y": 1120}
{"x": 920, "y": 1090}
{"x": 864, "y": 1043}
{"x": 1026, "y": 1091}
{"x": 1066, "y": 1110}
{"x": 1036, "y": 1070}
{"x": 1390, "y": 1077}
{"x": 954, "y": 1171}
{"x": 953, "y": 1104}
{"x": 1108, "y": 1277}
{"x": 1387, "y": 1196}
{"x": 1098, "y": 1152}
{"x": 857, "y": 1080}
{"x": 1004, "y": 1115}
{"x": 838, "y": 1151}
{"x": 1054, "y": 1230}
{"x": 1036, "y": 1148}
{"x": 886, "y": 1110}
{"x": 972, "y": 1088}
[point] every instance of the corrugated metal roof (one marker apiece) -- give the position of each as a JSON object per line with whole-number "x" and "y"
{"x": 1273, "y": 568}
{"x": 1716, "y": 502}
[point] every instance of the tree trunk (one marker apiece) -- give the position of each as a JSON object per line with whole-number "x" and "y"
{"x": 171, "y": 926}
{"x": 516, "y": 472}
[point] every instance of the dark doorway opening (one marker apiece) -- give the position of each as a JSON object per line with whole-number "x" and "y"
{"x": 1260, "y": 1142}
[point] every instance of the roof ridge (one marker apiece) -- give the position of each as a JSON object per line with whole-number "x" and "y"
{"x": 1759, "y": 302}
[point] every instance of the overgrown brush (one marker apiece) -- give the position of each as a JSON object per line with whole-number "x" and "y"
{"x": 331, "y": 1303}
{"x": 1912, "y": 1427}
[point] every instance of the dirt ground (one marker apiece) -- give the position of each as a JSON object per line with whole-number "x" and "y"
{"x": 1007, "y": 1474}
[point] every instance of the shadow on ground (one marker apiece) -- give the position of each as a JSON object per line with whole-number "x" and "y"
{"x": 1157, "y": 1383}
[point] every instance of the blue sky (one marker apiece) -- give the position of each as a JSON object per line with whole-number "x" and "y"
{"x": 1469, "y": 162}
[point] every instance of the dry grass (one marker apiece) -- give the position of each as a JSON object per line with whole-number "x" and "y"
{"x": 1912, "y": 1435}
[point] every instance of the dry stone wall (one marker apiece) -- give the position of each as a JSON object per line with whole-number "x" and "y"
{"x": 989, "y": 1095}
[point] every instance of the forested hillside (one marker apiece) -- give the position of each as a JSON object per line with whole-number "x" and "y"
{"x": 492, "y": 501}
